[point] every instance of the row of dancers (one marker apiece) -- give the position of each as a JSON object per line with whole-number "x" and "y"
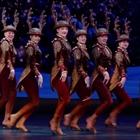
{"x": 31, "y": 78}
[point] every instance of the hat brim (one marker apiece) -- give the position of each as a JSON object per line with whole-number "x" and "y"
{"x": 123, "y": 39}
{"x": 101, "y": 34}
{"x": 61, "y": 25}
{"x": 77, "y": 35}
{"x": 35, "y": 34}
{"x": 6, "y": 30}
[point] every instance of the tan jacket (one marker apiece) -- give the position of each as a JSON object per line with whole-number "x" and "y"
{"x": 102, "y": 56}
{"x": 33, "y": 60}
{"x": 7, "y": 54}
{"x": 62, "y": 50}
{"x": 121, "y": 60}
{"x": 81, "y": 58}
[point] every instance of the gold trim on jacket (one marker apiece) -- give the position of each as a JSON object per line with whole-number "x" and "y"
{"x": 81, "y": 58}
{"x": 7, "y": 54}
{"x": 121, "y": 61}
{"x": 62, "y": 50}
{"x": 32, "y": 64}
{"x": 102, "y": 56}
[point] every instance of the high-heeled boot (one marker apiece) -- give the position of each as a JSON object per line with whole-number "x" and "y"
{"x": 58, "y": 128}
{"x": 9, "y": 104}
{"x": 73, "y": 113}
{"x": 53, "y": 124}
{"x": 111, "y": 120}
{"x": 80, "y": 111}
{"x": 12, "y": 121}
{"x": 138, "y": 125}
{"x": 77, "y": 112}
{"x": 90, "y": 123}
{"x": 5, "y": 123}
{"x": 75, "y": 126}
{"x": 20, "y": 124}
{"x": 67, "y": 119}
{"x": 109, "y": 123}
{"x": 74, "y": 123}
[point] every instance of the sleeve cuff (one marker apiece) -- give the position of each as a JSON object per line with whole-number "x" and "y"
{"x": 123, "y": 75}
{"x": 102, "y": 70}
{"x": 37, "y": 74}
{"x": 62, "y": 68}
{"x": 84, "y": 75}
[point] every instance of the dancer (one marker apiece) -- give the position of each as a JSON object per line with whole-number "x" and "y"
{"x": 27, "y": 80}
{"x": 59, "y": 73}
{"x": 79, "y": 78}
{"x": 7, "y": 71}
{"x": 118, "y": 78}
{"x": 102, "y": 56}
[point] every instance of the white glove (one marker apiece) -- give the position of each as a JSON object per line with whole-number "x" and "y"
{"x": 122, "y": 82}
{"x": 63, "y": 76}
{"x": 12, "y": 74}
{"x": 87, "y": 81}
{"x": 106, "y": 77}
{"x": 40, "y": 80}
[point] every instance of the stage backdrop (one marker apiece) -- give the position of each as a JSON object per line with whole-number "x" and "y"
{"x": 132, "y": 85}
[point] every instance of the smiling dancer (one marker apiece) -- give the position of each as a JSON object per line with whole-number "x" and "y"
{"x": 27, "y": 80}
{"x": 102, "y": 56}
{"x": 59, "y": 73}
{"x": 7, "y": 71}
{"x": 119, "y": 76}
{"x": 79, "y": 77}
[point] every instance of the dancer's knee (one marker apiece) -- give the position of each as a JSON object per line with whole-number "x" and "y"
{"x": 36, "y": 102}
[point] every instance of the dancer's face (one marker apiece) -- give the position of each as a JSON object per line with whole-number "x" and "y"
{"x": 124, "y": 44}
{"x": 62, "y": 31}
{"x": 35, "y": 38}
{"x": 82, "y": 39}
{"x": 9, "y": 35}
{"x": 102, "y": 39}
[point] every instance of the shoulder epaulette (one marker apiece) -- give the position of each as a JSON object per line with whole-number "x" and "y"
{"x": 97, "y": 46}
{"x": 29, "y": 44}
{"x": 56, "y": 39}
{"x": 75, "y": 48}
{"x": 4, "y": 39}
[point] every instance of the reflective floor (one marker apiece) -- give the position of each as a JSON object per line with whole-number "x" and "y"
{"x": 38, "y": 124}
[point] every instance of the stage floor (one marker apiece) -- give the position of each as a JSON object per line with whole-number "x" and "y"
{"x": 38, "y": 124}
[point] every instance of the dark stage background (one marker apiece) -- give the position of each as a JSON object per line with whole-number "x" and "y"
{"x": 124, "y": 9}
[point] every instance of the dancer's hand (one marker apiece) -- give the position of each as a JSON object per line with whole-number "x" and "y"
{"x": 12, "y": 74}
{"x": 106, "y": 77}
{"x": 87, "y": 82}
{"x": 40, "y": 80}
{"x": 63, "y": 76}
{"x": 122, "y": 82}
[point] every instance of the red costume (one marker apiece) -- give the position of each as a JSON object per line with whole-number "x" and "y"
{"x": 28, "y": 81}
{"x": 59, "y": 79}
{"x": 102, "y": 56}
{"x": 121, "y": 61}
{"x": 79, "y": 80}
{"x": 7, "y": 86}
{"x": 7, "y": 72}
{"x": 62, "y": 51}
